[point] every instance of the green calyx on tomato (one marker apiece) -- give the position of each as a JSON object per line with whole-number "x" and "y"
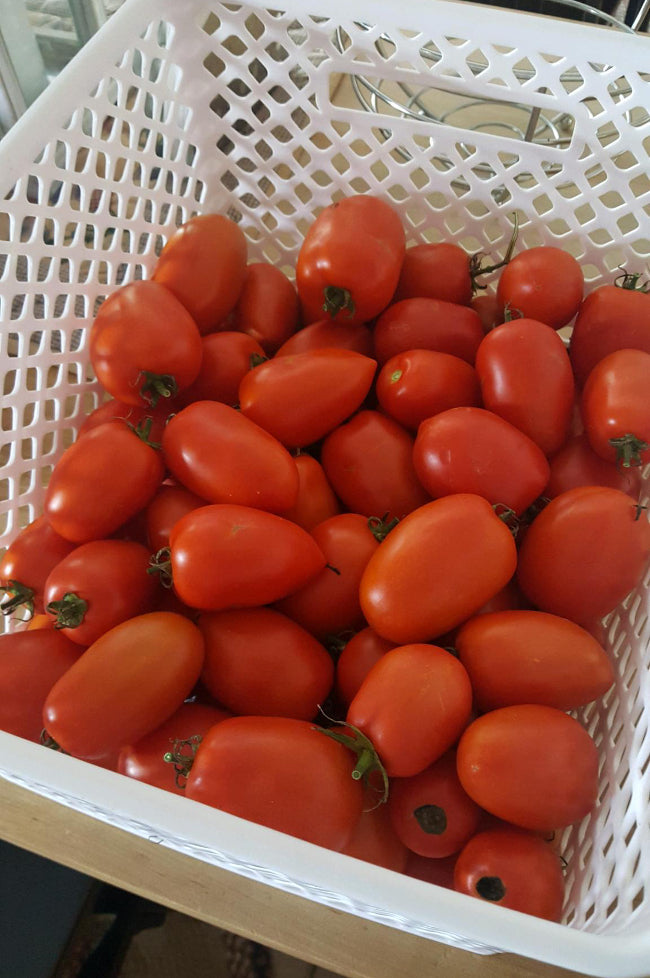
{"x": 631, "y": 281}
{"x": 368, "y": 762}
{"x": 143, "y": 430}
{"x": 161, "y": 564}
{"x": 337, "y": 299}
{"x": 20, "y": 595}
{"x": 478, "y": 269}
{"x": 48, "y": 741}
{"x": 182, "y": 757}
{"x": 629, "y": 450}
{"x": 70, "y": 610}
{"x": 380, "y": 526}
{"x": 156, "y": 386}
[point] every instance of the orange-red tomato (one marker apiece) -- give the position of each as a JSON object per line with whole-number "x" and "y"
{"x": 427, "y": 324}
{"x": 437, "y": 270}
{"x": 324, "y": 334}
{"x": 26, "y": 563}
{"x": 375, "y": 841}
{"x": 417, "y": 384}
{"x": 544, "y": 283}
{"x": 225, "y": 359}
{"x": 359, "y": 655}
{"x": 316, "y": 500}
{"x": 267, "y": 309}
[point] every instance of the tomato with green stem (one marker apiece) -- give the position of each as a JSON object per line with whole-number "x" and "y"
{"x": 26, "y": 563}
{"x": 577, "y": 464}
{"x": 544, "y": 283}
{"x": 615, "y": 408}
{"x": 417, "y": 384}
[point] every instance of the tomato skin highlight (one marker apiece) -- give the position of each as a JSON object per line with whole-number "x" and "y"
{"x": 125, "y": 684}
{"x": 415, "y": 385}
{"x": 615, "y": 403}
{"x": 282, "y": 773}
{"x": 543, "y": 283}
{"x": 427, "y": 324}
{"x": 610, "y": 318}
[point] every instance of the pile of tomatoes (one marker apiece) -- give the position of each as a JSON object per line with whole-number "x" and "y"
{"x": 334, "y": 553}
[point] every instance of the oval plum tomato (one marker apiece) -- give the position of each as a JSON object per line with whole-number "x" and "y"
{"x": 170, "y": 503}
{"x": 375, "y": 841}
{"x": 577, "y": 464}
{"x": 25, "y": 564}
{"x": 584, "y": 553}
{"x": 125, "y": 684}
{"x": 204, "y": 264}
{"x": 247, "y": 650}
{"x": 417, "y": 384}
{"x": 225, "y": 556}
{"x": 223, "y": 456}
{"x": 489, "y": 309}
{"x": 97, "y": 586}
{"x": 532, "y": 657}
{"x": 155, "y": 418}
{"x": 267, "y": 308}
{"x": 413, "y": 705}
{"x": 436, "y": 270}
{"x": 300, "y": 398}
{"x": 427, "y": 324}
{"x": 368, "y": 462}
{"x": 144, "y": 345}
{"x": 101, "y": 481}
{"x": 327, "y": 334}
{"x": 316, "y": 499}
{"x": 226, "y": 358}
{"x": 471, "y": 450}
{"x": 526, "y": 378}
{"x": 610, "y": 318}
{"x": 357, "y": 658}
{"x": 349, "y": 263}
{"x": 144, "y": 760}
{"x": 282, "y": 773}
{"x": 436, "y": 568}
{"x": 31, "y": 662}
{"x": 531, "y": 765}
{"x": 512, "y": 868}
{"x": 615, "y": 408}
{"x": 544, "y": 283}
{"x": 431, "y": 812}
{"x": 329, "y": 602}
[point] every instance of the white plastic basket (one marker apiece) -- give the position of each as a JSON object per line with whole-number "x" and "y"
{"x": 176, "y": 108}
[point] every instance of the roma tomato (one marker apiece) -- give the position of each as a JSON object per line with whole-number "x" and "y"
{"x": 544, "y": 283}
{"x": 155, "y": 418}
{"x": 526, "y": 378}
{"x": 125, "y": 684}
{"x": 436, "y": 568}
{"x": 316, "y": 499}
{"x": 204, "y": 265}
{"x": 615, "y": 408}
{"x": 440, "y": 872}
{"x": 577, "y": 464}
{"x": 350, "y": 260}
{"x": 97, "y": 586}
{"x": 144, "y": 345}
{"x": 226, "y": 358}
{"x": 512, "y": 868}
{"x": 267, "y": 308}
{"x": 417, "y": 384}
{"x": 26, "y": 563}
{"x": 436, "y": 270}
{"x": 246, "y": 650}
{"x": 584, "y": 553}
{"x": 31, "y": 662}
{"x": 375, "y": 841}
{"x": 300, "y": 398}
{"x": 413, "y": 705}
{"x": 610, "y": 318}
{"x": 244, "y": 463}
{"x": 427, "y": 324}
{"x": 282, "y": 773}
{"x": 327, "y": 334}
{"x": 359, "y": 655}
{"x": 226, "y": 556}
{"x": 101, "y": 481}
{"x": 531, "y": 765}
{"x": 532, "y": 657}
{"x": 489, "y": 309}
{"x": 369, "y": 463}
{"x": 471, "y": 450}
{"x": 170, "y": 503}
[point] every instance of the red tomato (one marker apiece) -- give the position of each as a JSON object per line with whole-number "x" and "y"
{"x": 489, "y": 310}
{"x": 204, "y": 265}
{"x": 266, "y": 556}
{"x": 31, "y": 662}
{"x": 417, "y": 384}
{"x": 440, "y": 872}
{"x": 101, "y": 481}
{"x": 436, "y": 568}
{"x": 282, "y": 773}
{"x": 584, "y": 553}
{"x": 610, "y": 318}
{"x": 368, "y": 462}
{"x": 350, "y": 260}
{"x": 543, "y": 283}
{"x": 316, "y": 499}
{"x": 359, "y": 655}
{"x": 327, "y": 334}
{"x": 170, "y": 503}
{"x": 226, "y": 358}
{"x": 144, "y": 345}
{"x": 375, "y": 841}
{"x": 329, "y": 603}
{"x": 615, "y": 408}
{"x": 154, "y": 418}
{"x": 524, "y": 656}
{"x": 526, "y": 378}
{"x": 246, "y": 650}
{"x": 300, "y": 398}
{"x": 427, "y": 324}
{"x": 97, "y": 586}
{"x": 436, "y": 270}
{"x": 125, "y": 684}
{"x": 532, "y": 765}
{"x": 577, "y": 464}
{"x": 431, "y": 812}
{"x": 413, "y": 705}
{"x": 267, "y": 309}
{"x": 244, "y": 465}
{"x": 471, "y": 450}
{"x": 512, "y": 868}
{"x": 25, "y": 564}
{"x": 145, "y": 761}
